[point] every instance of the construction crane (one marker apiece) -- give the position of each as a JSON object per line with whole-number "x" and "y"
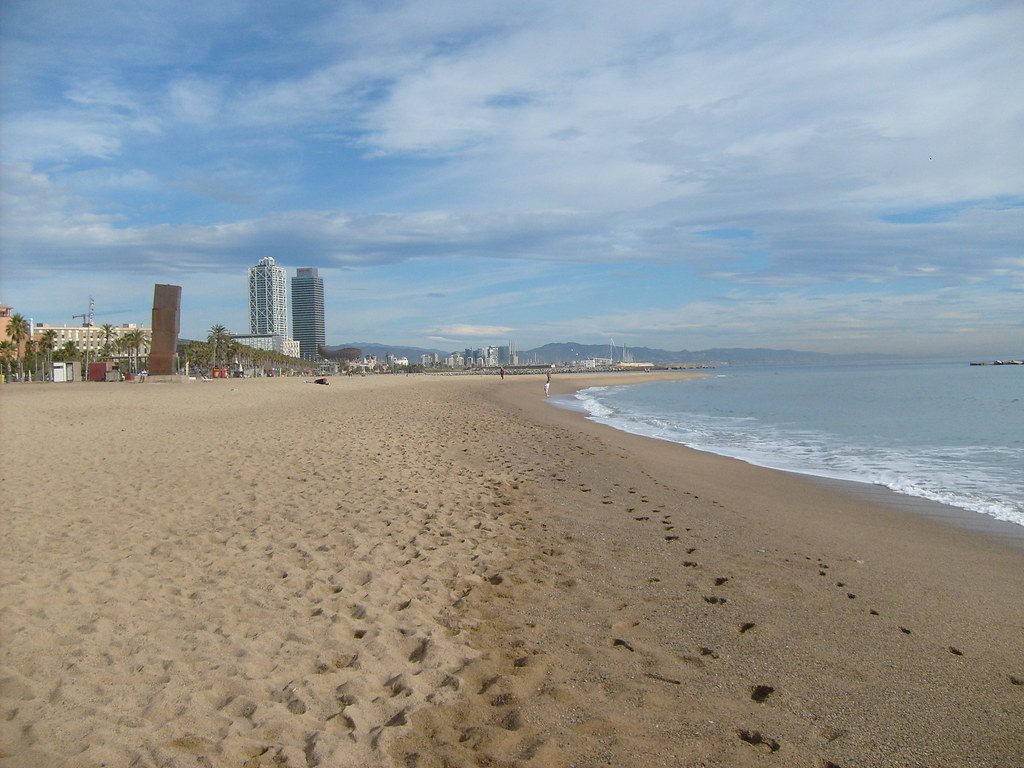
{"x": 87, "y": 323}
{"x": 88, "y": 316}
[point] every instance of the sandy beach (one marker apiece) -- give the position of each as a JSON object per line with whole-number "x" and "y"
{"x": 448, "y": 571}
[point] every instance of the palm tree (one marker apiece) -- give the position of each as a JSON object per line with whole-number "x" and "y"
{"x": 8, "y": 351}
{"x": 108, "y": 333}
{"x": 142, "y": 350}
{"x": 130, "y": 343}
{"x": 17, "y": 331}
{"x": 66, "y": 353}
{"x": 121, "y": 347}
{"x": 134, "y": 342}
{"x": 31, "y": 358}
{"x": 46, "y": 342}
{"x": 230, "y": 350}
{"x": 219, "y": 339}
{"x": 197, "y": 353}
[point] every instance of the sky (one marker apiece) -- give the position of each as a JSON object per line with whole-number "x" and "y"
{"x": 843, "y": 177}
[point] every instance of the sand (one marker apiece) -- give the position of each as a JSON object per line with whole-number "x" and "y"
{"x": 447, "y": 571}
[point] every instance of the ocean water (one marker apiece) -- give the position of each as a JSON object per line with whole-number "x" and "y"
{"x": 943, "y": 431}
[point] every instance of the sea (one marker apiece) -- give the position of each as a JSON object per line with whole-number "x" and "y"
{"x": 944, "y": 431}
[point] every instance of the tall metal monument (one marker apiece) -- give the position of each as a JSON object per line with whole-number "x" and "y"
{"x": 166, "y": 326}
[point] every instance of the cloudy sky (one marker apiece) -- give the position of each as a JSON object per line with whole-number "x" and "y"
{"x": 842, "y": 176}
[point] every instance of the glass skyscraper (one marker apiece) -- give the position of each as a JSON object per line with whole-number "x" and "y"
{"x": 308, "y": 311}
{"x": 268, "y": 299}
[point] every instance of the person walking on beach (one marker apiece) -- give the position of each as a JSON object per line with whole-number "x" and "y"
{"x": 501, "y": 372}
{"x": 547, "y": 384}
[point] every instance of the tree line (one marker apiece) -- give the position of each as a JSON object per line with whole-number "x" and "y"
{"x": 221, "y": 350}
{"x": 19, "y": 352}
{"x": 27, "y": 355}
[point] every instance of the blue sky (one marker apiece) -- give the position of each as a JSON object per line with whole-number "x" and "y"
{"x": 822, "y": 176}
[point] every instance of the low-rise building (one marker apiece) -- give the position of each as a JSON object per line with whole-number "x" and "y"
{"x": 273, "y": 342}
{"x": 86, "y": 338}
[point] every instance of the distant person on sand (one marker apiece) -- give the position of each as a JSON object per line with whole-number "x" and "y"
{"x": 501, "y": 372}
{"x": 547, "y": 384}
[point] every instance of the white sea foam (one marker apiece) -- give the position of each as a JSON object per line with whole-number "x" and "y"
{"x": 977, "y": 478}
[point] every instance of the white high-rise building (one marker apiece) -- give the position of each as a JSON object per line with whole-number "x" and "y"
{"x": 268, "y": 299}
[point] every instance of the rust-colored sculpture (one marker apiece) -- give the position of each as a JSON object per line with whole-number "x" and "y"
{"x": 166, "y": 325}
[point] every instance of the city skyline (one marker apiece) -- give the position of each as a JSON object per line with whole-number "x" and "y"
{"x": 674, "y": 175}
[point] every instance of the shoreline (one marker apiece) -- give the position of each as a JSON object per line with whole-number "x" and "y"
{"x": 949, "y": 514}
{"x": 428, "y": 572}
{"x": 756, "y": 526}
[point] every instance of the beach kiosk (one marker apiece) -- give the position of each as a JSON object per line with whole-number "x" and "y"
{"x": 67, "y": 371}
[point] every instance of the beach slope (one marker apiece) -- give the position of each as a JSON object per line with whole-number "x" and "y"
{"x": 432, "y": 571}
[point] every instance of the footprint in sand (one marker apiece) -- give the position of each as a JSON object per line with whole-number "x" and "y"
{"x": 756, "y": 738}
{"x": 486, "y": 685}
{"x": 760, "y": 693}
{"x": 662, "y": 679}
{"x": 420, "y": 652}
{"x": 512, "y": 721}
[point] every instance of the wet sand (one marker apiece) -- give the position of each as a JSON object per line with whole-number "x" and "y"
{"x": 432, "y": 571}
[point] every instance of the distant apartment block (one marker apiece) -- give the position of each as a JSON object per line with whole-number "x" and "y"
{"x": 308, "y": 311}
{"x": 268, "y": 299}
{"x": 86, "y": 338}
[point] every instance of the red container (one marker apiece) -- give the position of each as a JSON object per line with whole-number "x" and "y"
{"x": 98, "y": 371}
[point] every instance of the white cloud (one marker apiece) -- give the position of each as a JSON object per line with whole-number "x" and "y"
{"x": 471, "y": 331}
{"x": 60, "y": 137}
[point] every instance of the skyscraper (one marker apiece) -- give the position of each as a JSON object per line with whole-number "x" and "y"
{"x": 308, "y": 311}
{"x": 268, "y": 299}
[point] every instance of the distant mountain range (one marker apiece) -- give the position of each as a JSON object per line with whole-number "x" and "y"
{"x": 567, "y": 352}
